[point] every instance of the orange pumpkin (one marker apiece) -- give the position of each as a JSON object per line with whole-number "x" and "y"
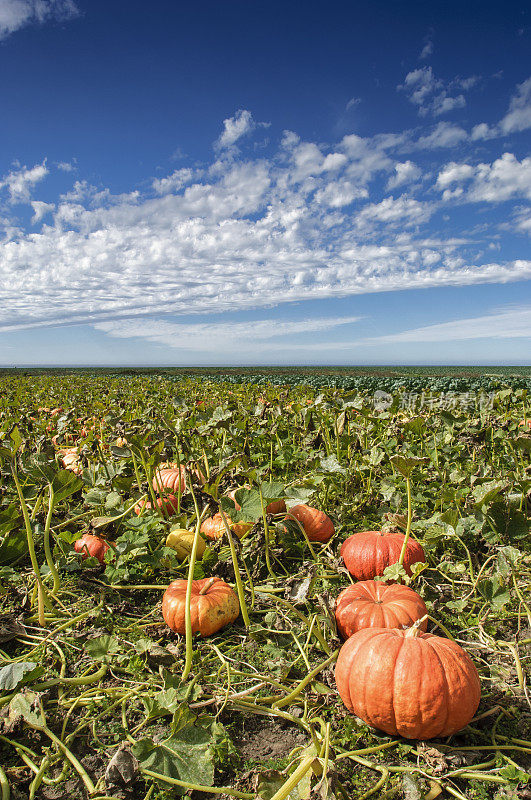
{"x": 407, "y": 683}
{"x": 214, "y": 528}
{"x": 317, "y": 525}
{"x": 368, "y": 553}
{"x": 213, "y": 604}
{"x": 276, "y": 507}
{"x": 373, "y": 604}
{"x": 168, "y": 504}
{"x": 90, "y": 545}
{"x": 169, "y": 476}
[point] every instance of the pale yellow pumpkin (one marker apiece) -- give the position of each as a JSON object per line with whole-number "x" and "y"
{"x": 181, "y": 540}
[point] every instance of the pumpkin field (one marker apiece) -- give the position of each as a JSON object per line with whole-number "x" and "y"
{"x": 229, "y": 585}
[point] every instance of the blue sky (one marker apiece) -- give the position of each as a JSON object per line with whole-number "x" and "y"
{"x": 264, "y": 183}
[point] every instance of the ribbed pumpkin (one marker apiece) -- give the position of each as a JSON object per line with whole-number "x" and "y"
{"x": 407, "y": 683}
{"x": 213, "y": 605}
{"x": 373, "y": 604}
{"x": 168, "y": 504}
{"x": 213, "y": 527}
{"x": 368, "y": 553}
{"x": 70, "y": 460}
{"x": 169, "y": 476}
{"x": 274, "y": 507}
{"x": 182, "y": 542}
{"x": 90, "y": 545}
{"x": 317, "y": 525}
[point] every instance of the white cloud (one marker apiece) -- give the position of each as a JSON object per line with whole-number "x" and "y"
{"x": 445, "y": 134}
{"x": 15, "y": 14}
{"x": 403, "y": 211}
{"x": 65, "y": 166}
{"x": 483, "y": 131}
{"x": 40, "y": 209}
{"x": 523, "y": 221}
{"x": 340, "y": 193}
{"x": 431, "y": 95}
{"x": 207, "y": 335}
{"x": 173, "y": 182}
{"x": 352, "y": 103}
{"x": 310, "y": 221}
{"x": 405, "y": 172}
{"x": 518, "y": 118}
{"x": 453, "y": 173}
{"x": 234, "y": 128}
{"x": 502, "y": 180}
{"x": 512, "y": 323}
{"x": 427, "y": 50}
{"x": 20, "y": 182}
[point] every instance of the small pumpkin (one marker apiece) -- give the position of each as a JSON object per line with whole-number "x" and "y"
{"x": 317, "y": 525}
{"x": 408, "y": 683}
{"x": 70, "y": 460}
{"x": 168, "y": 504}
{"x": 366, "y": 554}
{"x": 374, "y": 604}
{"x": 90, "y": 545}
{"x": 170, "y": 476}
{"x": 213, "y": 604}
{"x": 214, "y": 527}
{"x": 182, "y": 541}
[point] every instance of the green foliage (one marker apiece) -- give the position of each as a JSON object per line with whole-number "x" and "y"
{"x": 316, "y": 437}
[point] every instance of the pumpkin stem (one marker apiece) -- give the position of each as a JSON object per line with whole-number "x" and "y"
{"x": 414, "y": 631}
{"x": 207, "y": 586}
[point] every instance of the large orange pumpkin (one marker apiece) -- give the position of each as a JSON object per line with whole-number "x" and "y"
{"x": 90, "y": 545}
{"x": 368, "y": 553}
{"x": 213, "y": 604}
{"x": 214, "y": 528}
{"x": 317, "y": 525}
{"x": 407, "y": 683}
{"x": 373, "y": 604}
{"x": 168, "y": 504}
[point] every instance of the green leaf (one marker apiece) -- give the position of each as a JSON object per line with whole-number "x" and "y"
{"x": 484, "y": 493}
{"x": 14, "y": 675}
{"x": 494, "y": 591}
{"x": 186, "y": 755}
{"x": 416, "y": 425}
{"x": 508, "y": 559}
{"x": 27, "y": 706}
{"x": 269, "y": 782}
{"x": 13, "y": 546}
{"x": 113, "y": 500}
{"x": 406, "y": 464}
{"x": 95, "y": 497}
{"x": 523, "y": 443}
{"x": 161, "y": 704}
{"x": 251, "y": 507}
{"x": 102, "y": 647}
{"x": 394, "y": 573}
{"x": 272, "y": 491}
{"x": 65, "y": 484}
{"x": 16, "y": 438}
{"x": 332, "y": 466}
